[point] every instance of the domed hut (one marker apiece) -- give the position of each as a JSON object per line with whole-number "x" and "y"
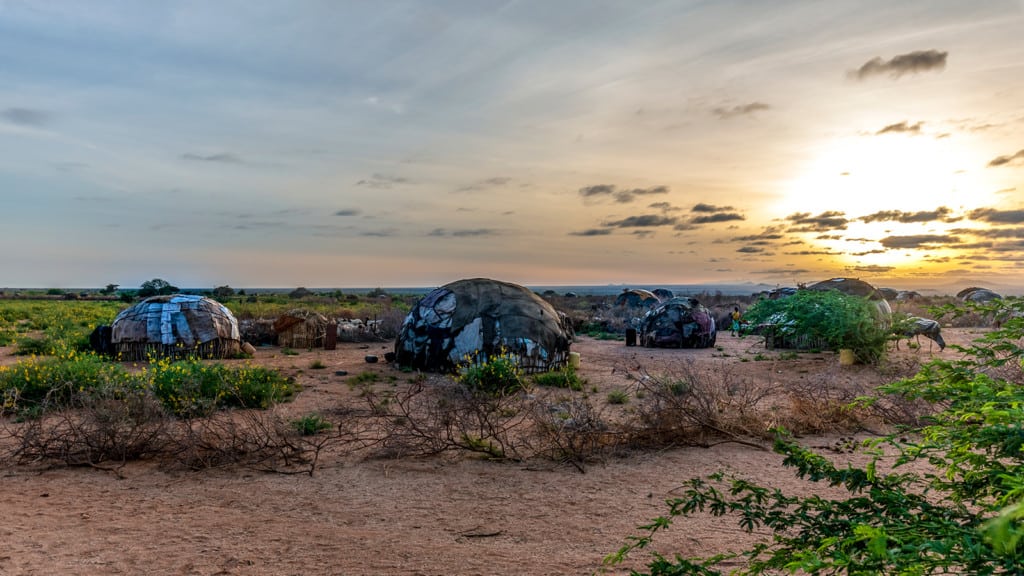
{"x": 637, "y": 298}
{"x": 663, "y": 294}
{"x": 856, "y": 287}
{"x": 678, "y": 323}
{"x": 479, "y": 318}
{"x": 976, "y": 294}
{"x": 175, "y": 326}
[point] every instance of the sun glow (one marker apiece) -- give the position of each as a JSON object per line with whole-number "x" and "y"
{"x": 851, "y": 181}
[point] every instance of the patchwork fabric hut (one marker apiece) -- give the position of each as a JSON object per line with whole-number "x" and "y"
{"x": 175, "y": 326}
{"x": 478, "y": 318}
{"x": 678, "y": 323}
{"x": 636, "y": 298}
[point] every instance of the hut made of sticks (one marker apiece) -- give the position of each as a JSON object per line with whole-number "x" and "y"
{"x": 301, "y": 329}
{"x": 176, "y": 326}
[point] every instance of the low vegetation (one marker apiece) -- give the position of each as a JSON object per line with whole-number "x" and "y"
{"x": 964, "y": 515}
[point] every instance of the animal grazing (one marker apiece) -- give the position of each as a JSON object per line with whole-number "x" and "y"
{"x": 915, "y": 327}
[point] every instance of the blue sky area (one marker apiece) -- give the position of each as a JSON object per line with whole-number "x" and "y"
{"x": 575, "y": 142}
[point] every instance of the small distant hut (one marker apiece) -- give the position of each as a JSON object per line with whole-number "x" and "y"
{"x": 663, "y": 294}
{"x": 175, "y": 326}
{"x": 478, "y": 318}
{"x": 976, "y": 294}
{"x": 637, "y": 298}
{"x": 678, "y": 323}
{"x": 300, "y": 328}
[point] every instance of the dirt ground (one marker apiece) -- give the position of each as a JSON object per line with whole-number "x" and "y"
{"x": 425, "y": 516}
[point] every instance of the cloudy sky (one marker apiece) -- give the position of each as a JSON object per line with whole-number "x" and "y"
{"x": 350, "y": 143}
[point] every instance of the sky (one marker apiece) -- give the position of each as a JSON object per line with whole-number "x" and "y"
{"x": 409, "y": 143}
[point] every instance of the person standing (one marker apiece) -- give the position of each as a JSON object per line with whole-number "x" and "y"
{"x": 736, "y": 319}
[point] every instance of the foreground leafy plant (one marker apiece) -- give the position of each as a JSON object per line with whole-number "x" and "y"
{"x": 964, "y": 516}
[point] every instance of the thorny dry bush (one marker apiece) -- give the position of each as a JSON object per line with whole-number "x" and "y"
{"x": 106, "y": 430}
{"x": 692, "y": 405}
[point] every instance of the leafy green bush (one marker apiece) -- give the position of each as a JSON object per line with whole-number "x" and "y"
{"x": 565, "y": 378}
{"x": 498, "y": 374}
{"x": 964, "y": 516}
{"x": 838, "y": 319}
{"x": 193, "y": 388}
{"x": 618, "y": 397}
{"x": 311, "y": 424}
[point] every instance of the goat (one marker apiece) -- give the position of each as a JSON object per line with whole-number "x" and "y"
{"x": 915, "y": 327}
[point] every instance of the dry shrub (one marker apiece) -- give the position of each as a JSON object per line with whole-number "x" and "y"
{"x": 442, "y": 416}
{"x": 90, "y": 428}
{"x": 572, "y": 430}
{"x": 693, "y": 406}
{"x": 107, "y": 429}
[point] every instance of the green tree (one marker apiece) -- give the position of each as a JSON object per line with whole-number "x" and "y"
{"x": 109, "y": 289}
{"x": 966, "y": 516}
{"x": 156, "y": 287}
{"x": 224, "y": 291}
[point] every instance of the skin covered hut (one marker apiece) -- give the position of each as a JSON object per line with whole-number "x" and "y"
{"x": 479, "y": 318}
{"x": 175, "y": 326}
{"x": 678, "y": 323}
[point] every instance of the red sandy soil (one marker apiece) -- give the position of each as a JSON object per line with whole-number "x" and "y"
{"x": 423, "y": 516}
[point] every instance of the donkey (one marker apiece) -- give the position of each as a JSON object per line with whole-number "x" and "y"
{"x": 915, "y": 327}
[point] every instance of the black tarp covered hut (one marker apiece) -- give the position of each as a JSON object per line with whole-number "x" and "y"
{"x": 678, "y": 323}
{"x": 478, "y": 318}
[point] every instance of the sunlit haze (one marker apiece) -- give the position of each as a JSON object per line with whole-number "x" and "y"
{"x": 350, "y": 143}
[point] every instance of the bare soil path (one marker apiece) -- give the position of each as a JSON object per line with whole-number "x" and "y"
{"x": 432, "y": 516}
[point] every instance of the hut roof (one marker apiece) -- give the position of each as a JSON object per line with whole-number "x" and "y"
{"x": 480, "y": 317}
{"x": 636, "y": 297}
{"x": 175, "y": 319}
{"x": 976, "y": 294}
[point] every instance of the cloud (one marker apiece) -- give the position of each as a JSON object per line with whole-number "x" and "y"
{"x": 781, "y": 271}
{"x": 767, "y": 235}
{"x": 871, "y": 269}
{"x": 620, "y": 196}
{"x": 991, "y": 232}
{"x": 719, "y": 217}
{"x": 1016, "y": 159}
{"x": 742, "y": 110}
{"x": 462, "y": 233}
{"x": 474, "y": 232}
{"x": 664, "y": 206}
{"x": 997, "y": 216}
{"x": 920, "y": 241}
{"x": 910, "y": 63}
{"x": 223, "y": 157}
{"x": 824, "y": 222}
{"x": 941, "y": 213}
{"x": 750, "y": 250}
{"x": 486, "y": 184}
{"x": 382, "y": 233}
{"x": 702, "y": 207}
{"x": 901, "y": 128}
{"x": 641, "y": 221}
{"x": 592, "y": 232}
{"x": 25, "y": 116}
{"x": 382, "y": 181}
{"x": 348, "y": 212}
